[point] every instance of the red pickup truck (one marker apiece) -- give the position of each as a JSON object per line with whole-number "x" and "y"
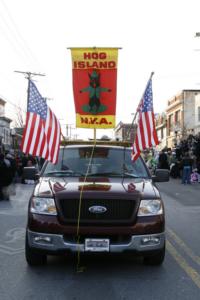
{"x": 96, "y": 199}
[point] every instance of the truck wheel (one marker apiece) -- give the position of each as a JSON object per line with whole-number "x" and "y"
{"x": 33, "y": 258}
{"x": 155, "y": 259}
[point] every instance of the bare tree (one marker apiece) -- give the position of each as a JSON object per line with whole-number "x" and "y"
{"x": 19, "y": 117}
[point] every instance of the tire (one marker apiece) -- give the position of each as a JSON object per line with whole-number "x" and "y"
{"x": 155, "y": 259}
{"x": 33, "y": 258}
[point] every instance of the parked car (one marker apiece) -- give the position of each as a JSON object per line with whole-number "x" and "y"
{"x": 96, "y": 199}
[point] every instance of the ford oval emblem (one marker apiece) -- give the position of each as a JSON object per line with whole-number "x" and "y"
{"x": 97, "y": 209}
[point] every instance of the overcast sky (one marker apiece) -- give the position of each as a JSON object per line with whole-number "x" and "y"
{"x": 154, "y": 35}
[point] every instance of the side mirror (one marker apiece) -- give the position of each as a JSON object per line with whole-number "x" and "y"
{"x": 161, "y": 175}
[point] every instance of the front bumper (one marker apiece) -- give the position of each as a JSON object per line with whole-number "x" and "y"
{"x": 53, "y": 243}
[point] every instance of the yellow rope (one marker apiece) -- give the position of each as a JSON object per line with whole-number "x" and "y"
{"x": 78, "y": 268}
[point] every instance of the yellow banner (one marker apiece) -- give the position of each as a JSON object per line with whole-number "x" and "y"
{"x": 94, "y": 58}
{"x": 97, "y": 121}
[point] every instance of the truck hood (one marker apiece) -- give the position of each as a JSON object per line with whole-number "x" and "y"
{"x": 68, "y": 187}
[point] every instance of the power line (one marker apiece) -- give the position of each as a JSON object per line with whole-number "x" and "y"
{"x": 16, "y": 106}
{"x": 12, "y": 42}
{"x": 15, "y": 33}
{"x": 28, "y": 75}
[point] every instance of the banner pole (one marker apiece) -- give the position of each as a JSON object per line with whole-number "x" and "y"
{"x": 78, "y": 268}
{"x": 94, "y": 47}
{"x": 95, "y": 132}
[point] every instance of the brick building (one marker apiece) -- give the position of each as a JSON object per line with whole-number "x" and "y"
{"x": 5, "y": 133}
{"x": 125, "y": 131}
{"x": 183, "y": 116}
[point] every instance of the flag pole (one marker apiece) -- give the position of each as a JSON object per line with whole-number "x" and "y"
{"x": 28, "y": 91}
{"x": 152, "y": 73}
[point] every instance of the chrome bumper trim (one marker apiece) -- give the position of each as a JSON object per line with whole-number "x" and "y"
{"x": 56, "y": 242}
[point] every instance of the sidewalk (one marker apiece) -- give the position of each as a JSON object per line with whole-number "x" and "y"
{"x": 177, "y": 181}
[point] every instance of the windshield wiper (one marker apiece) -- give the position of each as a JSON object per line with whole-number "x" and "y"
{"x": 74, "y": 173}
{"x": 63, "y": 173}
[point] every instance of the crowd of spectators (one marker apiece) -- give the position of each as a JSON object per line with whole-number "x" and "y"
{"x": 183, "y": 161}
{"x": 12, "y": 164}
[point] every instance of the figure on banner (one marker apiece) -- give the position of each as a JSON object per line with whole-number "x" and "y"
{"x": 94, "y": 90}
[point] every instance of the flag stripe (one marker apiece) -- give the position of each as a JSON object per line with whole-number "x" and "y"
{"x": 54, "y": 138}
{"x": 48, "y": 132}
{"x": 52, "y": 131}
{"x": 156, "y": 141}
{"x": 41, "y": 141}
{"x": 25, "y": 134}
{"x": 34, "y": 135}
{"x": 148, "y": 125}
{"x": 31, "y": 132}
{"x": 139, "y": 143}
{"x": 145, "y": 128}
{"x": 151, "y": 116}
{"x": 57, "y": 142}
{"x": 37, "y": 137}
{"x": 142, "y": 137}
{"x": 44, "y": 147}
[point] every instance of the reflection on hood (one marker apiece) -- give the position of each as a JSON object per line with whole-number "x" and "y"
{"x": 94, "y": 187}
{"x": 58, "y": 187}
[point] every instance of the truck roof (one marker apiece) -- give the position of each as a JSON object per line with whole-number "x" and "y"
{"x": 97, "y": 142}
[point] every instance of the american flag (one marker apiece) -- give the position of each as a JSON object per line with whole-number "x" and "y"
{"x": 41, "y": 136}
{"x": 146, "y": 136}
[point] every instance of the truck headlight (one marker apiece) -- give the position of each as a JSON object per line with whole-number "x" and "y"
{"x": 44, "y": 206}
{"x": 150, "y": 208}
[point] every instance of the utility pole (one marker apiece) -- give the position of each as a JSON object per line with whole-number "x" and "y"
{"x": 69, "y": 130}
{"x": 29, "y": 75}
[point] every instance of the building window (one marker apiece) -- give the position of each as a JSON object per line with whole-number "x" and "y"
{"x": 177, "y": 117}
{"x": 170, "y": 123}
{"x": 162, "y": 135}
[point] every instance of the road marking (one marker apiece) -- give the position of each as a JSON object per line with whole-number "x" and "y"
{"x": 15, "y": 234}
{"x": 16, "y": 211}
{"x": 183, "y": 246}
{"x": 191, "y": 272}
{"x": 10, "y": 251}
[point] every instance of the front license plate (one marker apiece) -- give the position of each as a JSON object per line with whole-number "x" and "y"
{"x": 97, "y": 245}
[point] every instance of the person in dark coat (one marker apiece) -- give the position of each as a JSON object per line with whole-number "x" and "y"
{"x": 2, "y": 169}
{"x": 5, "y": 176}
{"x": 13, "y": 166}
{"x": 178, "y": 152}
{"x": 163, "y": 161}
{"x": 187, "y": 163}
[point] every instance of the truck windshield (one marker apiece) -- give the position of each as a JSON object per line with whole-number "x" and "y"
{"x": 111, "y": 162}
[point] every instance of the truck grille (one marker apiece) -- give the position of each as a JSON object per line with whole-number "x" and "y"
{"x": 118, "y": 211}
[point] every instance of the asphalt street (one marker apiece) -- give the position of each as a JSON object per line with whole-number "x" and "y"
{"x": 103, "y": 277}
